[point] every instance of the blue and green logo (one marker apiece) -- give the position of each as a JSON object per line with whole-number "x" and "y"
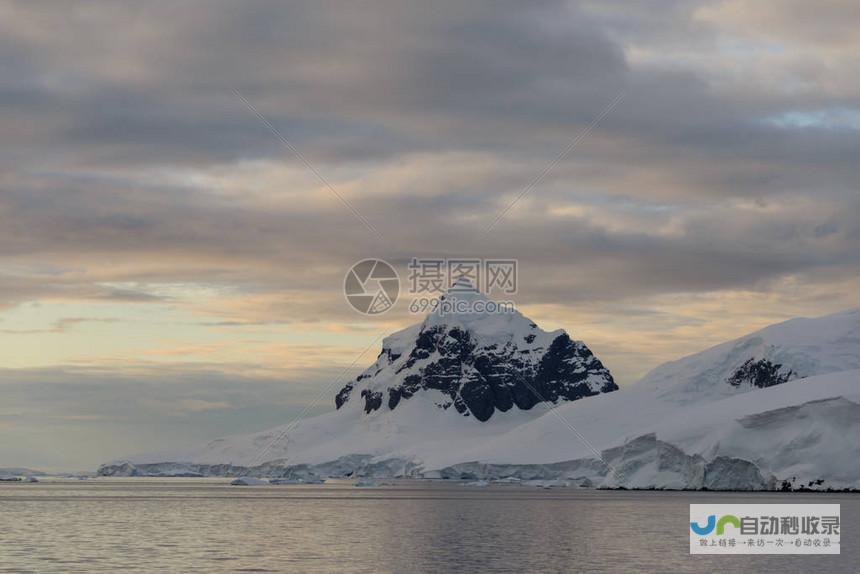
{"x": 712, "y": 523}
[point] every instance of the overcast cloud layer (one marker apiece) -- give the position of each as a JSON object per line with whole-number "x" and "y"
{"x": 149, "y": 219}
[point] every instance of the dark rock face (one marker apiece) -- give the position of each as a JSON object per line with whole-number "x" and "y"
{"x": 761, "y": 374}
{"x": 343, "y": 395}
{"x": 478, "y": 380}
{"x": 372, "y": 400}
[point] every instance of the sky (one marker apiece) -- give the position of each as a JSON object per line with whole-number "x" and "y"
{"x": 171, "y": 270}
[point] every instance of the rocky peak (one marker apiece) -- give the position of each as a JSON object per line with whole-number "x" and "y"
{"x": 478, "y": 362}
{"x": 761, "y": 373}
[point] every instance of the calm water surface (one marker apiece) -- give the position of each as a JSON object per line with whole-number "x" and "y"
{"x": 200, "y": 525}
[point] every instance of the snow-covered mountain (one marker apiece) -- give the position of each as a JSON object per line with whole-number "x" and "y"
{"x": 480, "y": 362}
{"x": 777, "y": 408}
{"x": 795, "y": 349}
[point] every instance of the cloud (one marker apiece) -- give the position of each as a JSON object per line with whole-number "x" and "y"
{"x": 135, "y": 185}
{"x": 78, "y": 418}
{"x": 59, "y": 326}
{"x": 200, "y": 405}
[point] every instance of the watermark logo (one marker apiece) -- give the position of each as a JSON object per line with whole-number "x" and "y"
{"x": 438, "y": 285}
{"x": 371, "y": 286}
{"x": 430, "y": 275}
{"x": 454, "y": 305}
{"x": 764, "y": 529}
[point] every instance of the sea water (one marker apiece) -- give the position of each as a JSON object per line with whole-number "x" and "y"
{"x": 206, "y": 525}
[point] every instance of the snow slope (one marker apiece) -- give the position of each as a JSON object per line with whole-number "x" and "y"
{"x": 800, "y": 347}
{"x": 683, "y": 426}
{"x": 807, "y": 429}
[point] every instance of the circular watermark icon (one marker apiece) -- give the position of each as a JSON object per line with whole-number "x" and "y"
{"x": 371, "y": 286}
